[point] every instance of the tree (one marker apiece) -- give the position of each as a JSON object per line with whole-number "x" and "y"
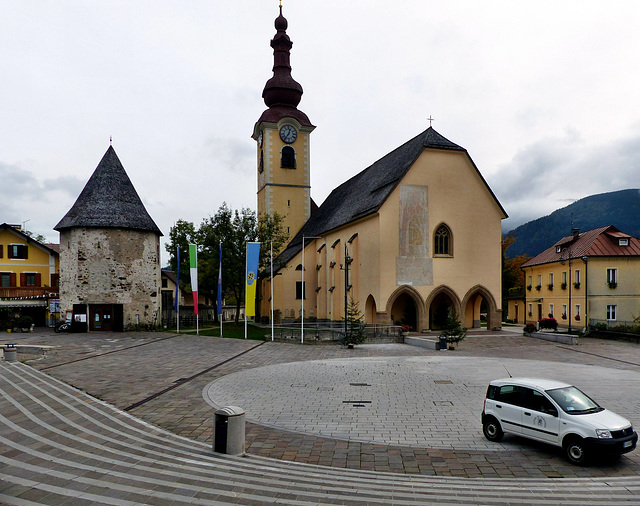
{"x": 234, "y": 229}
{"x": 355, "y": 323}
{"x": 512, "y": 274}
{"x": 454, "y": 331}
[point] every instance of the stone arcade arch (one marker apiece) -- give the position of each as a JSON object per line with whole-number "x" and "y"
{"x": 370, "y": 310}
{"x": 478, "y": 300}
{"x": 442, "y": 300}
{"x": 405, "y": 306}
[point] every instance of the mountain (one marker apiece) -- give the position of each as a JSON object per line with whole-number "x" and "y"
{"x": 620, "y": 209}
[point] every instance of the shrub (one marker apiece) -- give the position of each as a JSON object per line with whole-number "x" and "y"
{"x": 548, "y": 323}
{"x": 529, "y": 327}
{"x": 25, "y": 322}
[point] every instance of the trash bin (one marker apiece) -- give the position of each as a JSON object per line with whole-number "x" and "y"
{"x": 228, "y": 430}
{"x": 443, "y": 342}
{"x": 10, "y": 353}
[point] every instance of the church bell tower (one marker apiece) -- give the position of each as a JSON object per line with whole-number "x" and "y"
{"x": 282, "y": 135}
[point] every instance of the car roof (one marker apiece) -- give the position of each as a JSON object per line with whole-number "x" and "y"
{"x": 541, "y": 383}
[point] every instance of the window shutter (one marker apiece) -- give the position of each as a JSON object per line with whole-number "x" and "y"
{"x": 12, "y": 279}
{"x": 23, "y": 279}
{"x": 55, "y": 280}
{"x": 38, "y": 279}
{"x": 25, "y": 252}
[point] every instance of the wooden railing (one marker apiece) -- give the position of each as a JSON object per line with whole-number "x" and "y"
{"x": 27, "y": 291}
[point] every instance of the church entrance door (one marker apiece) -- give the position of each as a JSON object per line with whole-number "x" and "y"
{"x": 101, "y": 317}
{"x": 405, "y": 312}
{"x": 439, "y": 310}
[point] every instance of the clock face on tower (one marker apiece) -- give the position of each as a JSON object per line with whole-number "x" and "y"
{"x": 260, "y": 139}
{"x": 288, "y": 134}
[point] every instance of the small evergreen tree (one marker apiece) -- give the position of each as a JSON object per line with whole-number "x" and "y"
{"x": 454, "y": 331}
{"x": 355, "y": 324}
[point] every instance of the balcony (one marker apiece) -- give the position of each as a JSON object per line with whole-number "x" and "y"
{"x": 28, "y": 292}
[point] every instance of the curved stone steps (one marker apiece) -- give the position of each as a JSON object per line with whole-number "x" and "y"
{"x": 58, "y": 444}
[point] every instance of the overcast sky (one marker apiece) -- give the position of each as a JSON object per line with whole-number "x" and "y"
{"x": 544, "y": 95}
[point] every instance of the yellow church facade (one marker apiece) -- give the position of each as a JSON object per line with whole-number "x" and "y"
{"x": 411, "y": 238}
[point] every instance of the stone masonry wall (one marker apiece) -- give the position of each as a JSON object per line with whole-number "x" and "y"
{"x": 111, "y": 266}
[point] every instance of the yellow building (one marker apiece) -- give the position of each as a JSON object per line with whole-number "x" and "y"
{"x": 585, "y": 278}
{"x": 29, "y": 272}
{"x": 411, "y": 238}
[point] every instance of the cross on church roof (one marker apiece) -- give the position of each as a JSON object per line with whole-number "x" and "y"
{"x": 429, "y": 118}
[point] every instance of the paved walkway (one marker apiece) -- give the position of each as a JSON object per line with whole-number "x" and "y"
{"x": 59, "y": 444}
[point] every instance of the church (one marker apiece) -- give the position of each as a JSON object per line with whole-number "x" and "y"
{"x": 411, "y": 238}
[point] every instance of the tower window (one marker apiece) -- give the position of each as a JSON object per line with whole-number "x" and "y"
{"x": 443, "y": 241}
{"x": 261, "y": 161}
{"x": 288, "y": 158}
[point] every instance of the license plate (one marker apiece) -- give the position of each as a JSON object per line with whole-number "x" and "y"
{"x": 627, "y": 444}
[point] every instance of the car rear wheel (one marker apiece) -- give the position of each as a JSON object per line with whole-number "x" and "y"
{"x": 492, "y": 430}
{"x": 575, "y": 450}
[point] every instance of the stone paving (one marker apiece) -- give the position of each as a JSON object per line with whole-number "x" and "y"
{"x": 126, "y": 369}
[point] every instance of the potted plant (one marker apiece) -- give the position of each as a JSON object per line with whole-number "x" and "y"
{"x": 528, "y": 329}
{"x": 563, "y": 286}
{"x": 612, "y": 284}
{"x": 548, "y": 323}
{"x": 550, "y": 286}
{"x": 576, "y": 284}
{"x": 454, "y": 332}
{"x": 538, "y": 287}
{"x": 25, "y": 323}
{"x": 529, "y": 287}
{"x": 578, "y": 317}
{"x": 404, "y": 330}
{"x": 564, "y": 316}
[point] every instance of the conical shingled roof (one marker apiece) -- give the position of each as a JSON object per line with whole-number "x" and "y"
{"x": 109, "y": 200}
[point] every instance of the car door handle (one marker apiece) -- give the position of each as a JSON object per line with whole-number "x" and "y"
{"x": 527, "y": 414}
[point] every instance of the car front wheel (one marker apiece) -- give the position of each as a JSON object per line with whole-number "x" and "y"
{"x": 492, "y": 430}
{"x": 575, "y": 450}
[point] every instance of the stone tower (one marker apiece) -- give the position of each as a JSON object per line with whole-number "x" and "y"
{"x": 109, "y": 254}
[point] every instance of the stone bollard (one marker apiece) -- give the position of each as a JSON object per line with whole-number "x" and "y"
{"x": 229, "y": 430}
{"x": 10, "y": 353}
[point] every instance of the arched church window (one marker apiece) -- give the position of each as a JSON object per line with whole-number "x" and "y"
{"x": 288, "y": 158}
{"x": 443, "y": 241}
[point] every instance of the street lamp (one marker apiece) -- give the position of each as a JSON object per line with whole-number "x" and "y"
{"x": 347, "y": 261}
{"x": 302, "y": 290}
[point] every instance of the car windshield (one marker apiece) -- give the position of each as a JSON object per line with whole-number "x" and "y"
{"x": 573, "y": 401}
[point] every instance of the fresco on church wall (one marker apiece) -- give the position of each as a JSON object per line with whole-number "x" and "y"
{"x": 413, "y": 265}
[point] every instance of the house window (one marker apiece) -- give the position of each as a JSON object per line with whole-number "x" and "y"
{"x": 18, "y": 251}
{"x": 442, "y": 241}
{"x": 577, "y": 278}
{"x": 564, "y": 277}
{"x": 530, "y": 311}
{"x": 551, "y": 280}
{"x": 611, "y": 311}
{"x": 288, "y": 158}
{"x": 551, "y": 313}
{"x": 30, "y": 279}
{"x": 623, "y": 242}
{"x": 529, "y": 282}
{"x": 612, "y": 275}
{"x": 564, "y": 310}
{"x": 539, "y": 279}
{"x": 165, "y": 283}
{"x": 5, "y": 280}
{"x": 558, "y": 249}
{"x": 577, "y": 315}
{"x": 300, "y": 291}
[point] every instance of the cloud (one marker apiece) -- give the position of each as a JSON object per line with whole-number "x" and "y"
{"x": 37, "y": 203}
{"x": 553, "y": 172}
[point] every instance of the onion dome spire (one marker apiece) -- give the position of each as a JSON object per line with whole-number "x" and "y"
{"x": 281, "y": 89}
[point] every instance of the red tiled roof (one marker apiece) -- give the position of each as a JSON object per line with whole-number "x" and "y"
{"x": 598, "y": 242}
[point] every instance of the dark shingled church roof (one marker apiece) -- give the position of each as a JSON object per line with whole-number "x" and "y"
{"x": 364, "y": 194}
{"x": 109, "y": 200}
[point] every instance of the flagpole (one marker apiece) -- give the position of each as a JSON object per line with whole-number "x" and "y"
{"x": 220, "y": 289}
{"x": 271, "y": 249}
{"x": 177, "y": 297}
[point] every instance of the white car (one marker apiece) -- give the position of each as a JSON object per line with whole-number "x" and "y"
{"x": 555, "y": 413}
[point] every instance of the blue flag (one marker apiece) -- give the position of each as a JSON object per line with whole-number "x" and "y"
{"x": 220, "y": 282}
{"x": 253, "y": 255}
